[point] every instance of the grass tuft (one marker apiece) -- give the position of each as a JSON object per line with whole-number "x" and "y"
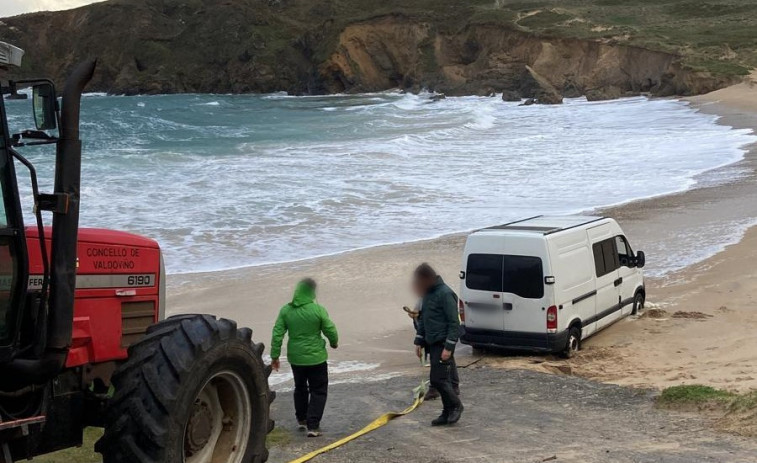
{"x": 731, "y": 412}
{"x": 279, "y": 437}
{"x": 694, "y": 395}
{"x": 83, "y": 454}
{"x": 745, "y": 402}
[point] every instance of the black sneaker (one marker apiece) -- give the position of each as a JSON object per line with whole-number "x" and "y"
{"x": 441, "y": 421}
{"x": 314, "y": 433}
{"x": 454, "y": 415}
{"x": 302, "y": 425}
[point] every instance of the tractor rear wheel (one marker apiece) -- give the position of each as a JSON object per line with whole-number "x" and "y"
{"x": 194, "y": 390}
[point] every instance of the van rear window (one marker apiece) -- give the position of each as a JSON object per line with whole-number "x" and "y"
{"x": 519, "y": 275}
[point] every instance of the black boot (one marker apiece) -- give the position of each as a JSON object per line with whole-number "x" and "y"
{"x": 454, "y": 415}
{"x": 442, "y": 420}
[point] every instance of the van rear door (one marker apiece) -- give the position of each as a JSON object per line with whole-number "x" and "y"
{"x": 523, "y": 294}
{"x": 505, "y": 292}
{"x": 482, "y": 292}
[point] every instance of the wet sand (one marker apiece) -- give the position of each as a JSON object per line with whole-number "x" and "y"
{"x": 365, "y": 290}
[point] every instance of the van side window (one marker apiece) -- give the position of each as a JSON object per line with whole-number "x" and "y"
{"x": 606, "y": 257}
{"x": 519, "y": 275}
{"x": 625, "y": 254}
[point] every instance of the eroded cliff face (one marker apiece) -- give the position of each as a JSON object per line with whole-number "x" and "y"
{"x": 395, "y": 52}
{"x": 165, "y": 46}
{"x": 237, "y": 46}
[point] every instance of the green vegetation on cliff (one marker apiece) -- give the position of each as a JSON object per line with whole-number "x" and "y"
{"x": 713, "y": 35}
{"x": 157, "y": 46}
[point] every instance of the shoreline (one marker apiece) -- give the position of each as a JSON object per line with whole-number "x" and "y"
{"x": 365, "y": 289}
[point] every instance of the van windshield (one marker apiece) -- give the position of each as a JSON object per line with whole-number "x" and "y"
{"x": 519, "y": 275}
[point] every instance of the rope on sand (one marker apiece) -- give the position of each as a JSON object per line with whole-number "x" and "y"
{"x": 418, "y": 394}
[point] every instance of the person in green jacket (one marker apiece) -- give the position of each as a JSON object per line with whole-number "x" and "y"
{"x": 305, "y": 320}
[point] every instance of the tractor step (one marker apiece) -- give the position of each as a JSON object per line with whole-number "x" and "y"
{"x": 22, "y": 423}
{"x": 19, "y": 425}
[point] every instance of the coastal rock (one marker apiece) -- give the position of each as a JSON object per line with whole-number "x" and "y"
{"x": 604, "y": 93}
{"x": 528, "y": 102}
{"x": 510, "y": 95}
{"x": 546, "y": 93}
{"x": 486, "y": 91}
{"x": 571, "y": 90}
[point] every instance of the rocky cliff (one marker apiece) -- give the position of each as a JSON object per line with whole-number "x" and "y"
{"x": 395, "y": 51}
{"x": 166, "y": 46}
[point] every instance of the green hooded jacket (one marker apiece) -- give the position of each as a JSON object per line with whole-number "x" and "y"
{"x": 304, "y": 320}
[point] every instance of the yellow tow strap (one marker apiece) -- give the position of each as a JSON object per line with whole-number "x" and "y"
{"x": 418, "y": 394}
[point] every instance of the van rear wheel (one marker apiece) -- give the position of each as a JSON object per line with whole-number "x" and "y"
{"x": 573, "y": 344}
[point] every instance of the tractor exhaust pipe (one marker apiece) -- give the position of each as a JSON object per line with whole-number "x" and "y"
{"x": 60, "y": 312}
{"x": 66, "y": 224}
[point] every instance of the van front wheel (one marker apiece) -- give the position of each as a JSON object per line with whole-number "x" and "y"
{"x": 573, "y": 344}
{"x": 638, "y": 303}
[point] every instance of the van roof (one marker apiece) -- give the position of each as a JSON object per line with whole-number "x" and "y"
{"x": 546, "y": 225}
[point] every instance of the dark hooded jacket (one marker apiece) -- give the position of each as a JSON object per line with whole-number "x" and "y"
{"x": 439, "y": 321}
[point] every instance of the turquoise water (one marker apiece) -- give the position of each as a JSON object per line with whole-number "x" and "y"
{"x": 232, "y": 181}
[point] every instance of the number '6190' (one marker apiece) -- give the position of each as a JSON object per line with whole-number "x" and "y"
{"x": 140, "y": 280}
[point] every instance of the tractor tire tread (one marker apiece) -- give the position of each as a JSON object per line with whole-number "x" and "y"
{"x": 142, "y": 409}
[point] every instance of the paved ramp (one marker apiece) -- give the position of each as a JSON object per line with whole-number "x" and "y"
{"x": 514, "y": 417}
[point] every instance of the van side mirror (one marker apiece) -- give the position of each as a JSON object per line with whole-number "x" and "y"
{"x": 44, "y": 106}
{"x": 641, "y": 259}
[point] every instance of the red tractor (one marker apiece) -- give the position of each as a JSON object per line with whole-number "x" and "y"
{"x": 83, "y": 339}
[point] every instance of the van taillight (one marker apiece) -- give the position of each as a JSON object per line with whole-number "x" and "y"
{"x": 461, "y": 310}
{"x": 552, "y": 319}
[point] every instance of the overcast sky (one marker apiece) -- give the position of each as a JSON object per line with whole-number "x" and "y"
{"x": 14, "y": 7}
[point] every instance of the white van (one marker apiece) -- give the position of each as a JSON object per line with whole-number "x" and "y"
{"x": 546, "y": 283}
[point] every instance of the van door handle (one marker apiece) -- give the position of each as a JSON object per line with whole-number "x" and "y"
{"x": 507, "y": 306}
{"x": 618, "y": 281}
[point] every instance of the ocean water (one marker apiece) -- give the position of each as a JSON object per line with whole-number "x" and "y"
{"x": 231, "y": 181}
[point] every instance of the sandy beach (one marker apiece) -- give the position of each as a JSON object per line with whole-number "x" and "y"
{"x": 700, "y": 329}
{"x": 703, "y": 329}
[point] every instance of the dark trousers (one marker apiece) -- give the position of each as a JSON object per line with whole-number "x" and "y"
{"x": 311, "y": 388}
{"x": 442, "y": 376}
{"x": 453, "y": 376}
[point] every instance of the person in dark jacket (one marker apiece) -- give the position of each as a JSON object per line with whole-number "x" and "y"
{"x": 432, "y": 393}
{"x": 307, "y": 322}
{"x": 438, "y": 330}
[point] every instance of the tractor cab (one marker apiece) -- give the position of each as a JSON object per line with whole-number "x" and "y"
{"x": 13, "y": 252}
{"x": 83, "y": 335}
{"x": 26, "y": 339}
